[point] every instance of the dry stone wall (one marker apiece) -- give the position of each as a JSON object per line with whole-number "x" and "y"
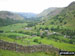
{"x": 27, "y": 49}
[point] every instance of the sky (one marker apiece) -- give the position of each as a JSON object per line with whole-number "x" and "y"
{"x": 34, "y": 6}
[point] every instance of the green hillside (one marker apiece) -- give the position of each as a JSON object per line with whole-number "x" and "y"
{"x": 10, "y": 15}
{"x": 46, "y": 12}
{"x": 13, "y": 53}
{"x": 66, "y": 18}
{"x": 49, "y": 13}
{"x": 63, "y": 23}
{"x": 7, "y": 18}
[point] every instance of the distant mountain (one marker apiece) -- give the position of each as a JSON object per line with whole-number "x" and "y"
{"x": 72, "y": 5}
{"x": 46, "y": 12}
{"x": 27, "y": 15}
{"x": 10, "y": 15}
{"x": 7, "y": 18}
{"x": 50, "y": 12}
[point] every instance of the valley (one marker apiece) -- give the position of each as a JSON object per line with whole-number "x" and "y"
{"x": 54, "y": 27}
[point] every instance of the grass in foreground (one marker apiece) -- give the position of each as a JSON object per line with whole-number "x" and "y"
{"x": 13, "y": 53}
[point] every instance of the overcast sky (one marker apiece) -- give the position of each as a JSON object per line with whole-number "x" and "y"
{"x": 35, "y": 6}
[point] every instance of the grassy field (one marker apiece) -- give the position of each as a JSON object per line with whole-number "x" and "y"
{"x": 30, "y": 41}
{"x": 13, "y": 27}
{"x": 13, "y": 53}
{"x": 10, "y": 35}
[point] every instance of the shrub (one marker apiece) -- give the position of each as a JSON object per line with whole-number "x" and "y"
{"x": 36, "y": 40}
{"x": 1, "y": 31}
{"x": 42, "y": 36}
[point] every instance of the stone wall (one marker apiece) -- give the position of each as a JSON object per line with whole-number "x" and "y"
{"x": 27, "y": 49}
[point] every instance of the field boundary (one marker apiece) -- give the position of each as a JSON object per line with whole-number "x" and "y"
{"x": 27, "y": 49}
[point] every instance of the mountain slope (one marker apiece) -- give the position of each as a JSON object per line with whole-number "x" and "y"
{"x": 66, "y": 17}
{"x": 46, "y": 12}
{"x": 60, "y": 24}
{"x": 50, "y": 12}
{"x": 7, "y": 14}
{"x": 7, "y": 18}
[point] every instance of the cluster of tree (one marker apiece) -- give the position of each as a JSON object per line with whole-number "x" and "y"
{"x": 59, "y": 19}
{"x": 37, "y": 41}
{"x": 68, "y": 32}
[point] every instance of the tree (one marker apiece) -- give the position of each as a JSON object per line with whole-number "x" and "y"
{"x": 65, "y": 22}
{"x": 71, "y": 42}
{"x": 52, "y": 23}
{"x": 46, "y": 28}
